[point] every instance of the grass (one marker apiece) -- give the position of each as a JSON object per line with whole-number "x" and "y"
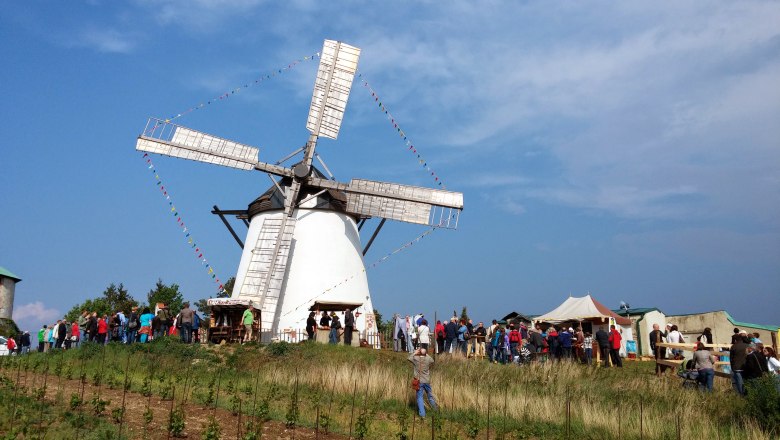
{"x": 520, "y": 402}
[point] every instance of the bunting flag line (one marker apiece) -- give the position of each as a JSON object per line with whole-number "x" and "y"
{"x": 401, "y": 133}
{"x": 232, "y": 92}
{"x": 365, "y": 268}
{"x": 198, "y": 251}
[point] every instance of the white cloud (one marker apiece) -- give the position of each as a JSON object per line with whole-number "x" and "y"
{"x": 105, "y": 40}
{"x": 35, "y": 313}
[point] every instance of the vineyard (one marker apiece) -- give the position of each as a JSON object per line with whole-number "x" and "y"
{"x": 167, "y": 390}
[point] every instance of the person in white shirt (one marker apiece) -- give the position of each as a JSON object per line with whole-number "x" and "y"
{"x": 772, "y": 362}
{"x": 424, "y": 334}
{"x": 675, "y": 337}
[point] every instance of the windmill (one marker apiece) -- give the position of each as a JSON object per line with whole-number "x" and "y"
{"x": 303, "y": 236}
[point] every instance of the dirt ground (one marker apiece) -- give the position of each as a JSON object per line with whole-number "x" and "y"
{"x": 196, "y": 416}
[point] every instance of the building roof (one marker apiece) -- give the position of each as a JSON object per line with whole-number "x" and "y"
{"x": 8, "y": 274}
{"x": 636, "y": 311}
{"x": 518, "y": 315}
{"x": 735, "y": 323}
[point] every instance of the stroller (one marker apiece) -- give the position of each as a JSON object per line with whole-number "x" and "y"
{"x": 689, "y": 374}
{"x": 524, "y": 357}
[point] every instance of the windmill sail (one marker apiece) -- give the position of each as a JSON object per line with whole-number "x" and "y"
{"x": 406, "y": 203}
{"x": 338, "y": 64}
{"x": 174, "y": 140}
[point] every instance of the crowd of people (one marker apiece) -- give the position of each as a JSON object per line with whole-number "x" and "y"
{"x": 137, "y": 326}
{"x": 516, "y": 342}
{"x": 748, "y": 358}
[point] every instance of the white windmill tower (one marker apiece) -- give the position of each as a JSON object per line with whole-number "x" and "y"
{"x": 303, "y": 237}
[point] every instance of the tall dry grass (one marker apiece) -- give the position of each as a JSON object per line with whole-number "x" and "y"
{"x": 603, "y": 400}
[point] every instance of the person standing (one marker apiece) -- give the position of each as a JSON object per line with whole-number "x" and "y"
{"x": 311, "y": 326}
{"x": 349, "y": 326}
{"x": 325, "y": 320}
{"x": 422, "y": 372}
{"x": 195, "y": 327}
{"x": 10, "y": 344}
{"x": 614, "y": 347}
{"x": 248, "y": 319}
{"x": 41, "y": 333}
{"x": 514, "y": 341}
{"x": 656, "y": 337}
{"x": 675, "y": 337}
{"x": 409, "y": 331}
{"x": 565, "y": 338}
{"x": 68, "y": 334}
{"x": 704, "y": 362}
{"x": 424, "y": 334}
{"x": 163, "y": 322}
{"x": 587, "y": 346}
{"x": 75, "y": 334}
{"x": 92, "y": 327}
{"x": 132, "y": 325}
{"x": 24, "y": 342}
{"x": 145, "y": 323}
{"x": 602, "y": 338}
{"x": 737, "y": 355}
{"x": 62, "y": 333}
{"x": 335, "y": 326}
{"x": 102, "y": 329}
{"x": 399, "y": 334}
{"x": 47, "y": 339}
{"x": 451, "y": 332}
{"x": 82, "y": 322}
{"x": 185, "y": 319}
{"x": 756, "y": 364}
{"x": 439, "y": 335}
{"x": 480, "y": 333}
{"x": 463, "y": 336}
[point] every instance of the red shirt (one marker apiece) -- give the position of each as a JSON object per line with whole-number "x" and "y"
{"x": 614, "y": 339}
{"x": 74, "y": 330}
{"x": 102, "y": 326}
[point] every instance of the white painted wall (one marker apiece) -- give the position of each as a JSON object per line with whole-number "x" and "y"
{"x": 326, "y": 254}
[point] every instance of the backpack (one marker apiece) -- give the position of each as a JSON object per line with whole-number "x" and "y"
{"x": 514, "y": 336}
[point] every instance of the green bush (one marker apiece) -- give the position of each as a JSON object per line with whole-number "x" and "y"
{"x": 763, "y": 403}
{"x": 279, "y": 348}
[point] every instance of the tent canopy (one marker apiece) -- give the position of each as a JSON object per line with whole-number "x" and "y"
{"x": 578, "y": 309}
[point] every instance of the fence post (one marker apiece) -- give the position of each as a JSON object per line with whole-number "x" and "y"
{"x": 352, "y": 411}
{"x": 487, "y": 431}
{"x": 641, "y": 418}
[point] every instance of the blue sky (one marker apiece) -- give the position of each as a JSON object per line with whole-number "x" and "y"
{"x": 626, "y": 150}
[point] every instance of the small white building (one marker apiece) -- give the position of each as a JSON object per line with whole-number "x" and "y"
{"x": 7, "y": 288}
{"x": 642, "y": 320}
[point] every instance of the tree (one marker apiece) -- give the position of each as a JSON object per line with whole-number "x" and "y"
{"x": 114, "y": 298}
{"x": 168, "y": 295}
{"x": 464, "y": 315}
{"x": 202, "y": 304}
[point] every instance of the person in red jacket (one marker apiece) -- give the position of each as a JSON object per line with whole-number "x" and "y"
{"x": 614, "y": 346}
{"x": 102, "y": 327}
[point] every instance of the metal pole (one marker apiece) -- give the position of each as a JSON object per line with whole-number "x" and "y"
{"x": 373, "y": 236}
{"x": 227, "y": 225}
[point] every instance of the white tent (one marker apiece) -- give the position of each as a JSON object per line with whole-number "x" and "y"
{"x": 588, "y": 309}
